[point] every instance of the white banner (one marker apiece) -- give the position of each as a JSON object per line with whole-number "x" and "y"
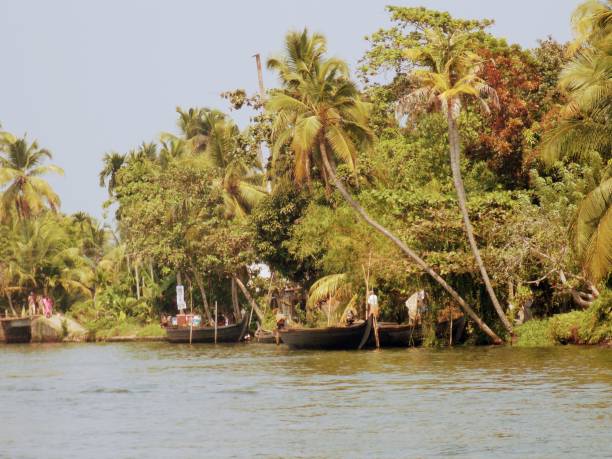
{"x": 180, "y": 298}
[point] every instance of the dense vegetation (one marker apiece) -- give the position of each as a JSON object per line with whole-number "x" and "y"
{"x": 456, "y": 163}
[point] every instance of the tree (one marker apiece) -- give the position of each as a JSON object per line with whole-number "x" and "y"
{"x": 239, "y": 177}
{"x": 584, "y": 133}
{"x": 320, "y": 115}
{"x": 108, "y": 175}
{"x": 452, "y": 75}
{"x": 25, "y": 193}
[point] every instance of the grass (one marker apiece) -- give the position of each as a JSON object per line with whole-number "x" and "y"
{"x": 128, "y": 328}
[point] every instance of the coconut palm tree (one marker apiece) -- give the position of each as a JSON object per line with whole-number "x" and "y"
{"x": 196, "y": 124}
{"x": 591, "y": 232}
{"x": 42, "y": 256}
{"x": 320, "y": 117}
{"x": 25, "y": 193}
{"x": 113, "y": 162}
{"x": 451, "y": 75}
{"x": 241, "y": 182}
{"x": 584, "y": 132}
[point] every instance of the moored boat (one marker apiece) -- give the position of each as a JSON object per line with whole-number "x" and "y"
{"x": 350, "y": 337}
{"x": 17, "y": 330}
{"x": 392, "y": 334}
{"x": 225, "y": 334}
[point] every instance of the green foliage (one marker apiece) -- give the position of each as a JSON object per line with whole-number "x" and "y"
{"x": 535, "y": 333}
{"x": 590, "y": 326}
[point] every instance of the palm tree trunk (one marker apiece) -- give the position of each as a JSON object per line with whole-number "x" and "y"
{"x": 403, "y": 247}
{"x": 250, "y": 299}
{"x": 453, "y": 140}
{"x": 235, "y": 300}
{"x": 136, "y": 272}
{"x": 200, "y": 282}
{"x": 10, "y": 302}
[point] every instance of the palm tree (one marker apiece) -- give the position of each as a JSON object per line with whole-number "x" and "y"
{"x": 321, "y": 117}
{"x": 591, "y": 232}
{"x": 196, "y": 124}
{"x": 21, "y": 167}
{"x": 240, "y": 181}
{"x": 452, "y": 76}
{"x": 584, "y": 132}
{"x": 113, "y": 162}
{"x": 41, "y": 255}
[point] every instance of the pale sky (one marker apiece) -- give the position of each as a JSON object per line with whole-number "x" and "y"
{"x": 88, "y": 77}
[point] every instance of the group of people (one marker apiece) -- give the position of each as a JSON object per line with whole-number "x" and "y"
{"x": 40, "y": 304}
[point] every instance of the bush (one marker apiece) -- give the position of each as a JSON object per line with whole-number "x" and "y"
{"x": 590, "y": 326}
{"x": 535, "y": 333}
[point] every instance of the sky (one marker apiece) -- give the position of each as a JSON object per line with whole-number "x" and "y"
{"x": 88, "y": 77}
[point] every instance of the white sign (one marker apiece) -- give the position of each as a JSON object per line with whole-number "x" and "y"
{"x": 180, "y": 298}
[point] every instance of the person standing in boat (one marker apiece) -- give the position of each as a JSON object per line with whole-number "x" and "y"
{"x": 372, "y": 304}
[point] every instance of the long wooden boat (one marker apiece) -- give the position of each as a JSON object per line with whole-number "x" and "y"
{"x": 351, "y": 337}
{"x": 17, "y": 330}
{"x": 225, "y": 334}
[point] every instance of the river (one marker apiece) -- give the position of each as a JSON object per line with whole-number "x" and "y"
{"x": 150, "y": 400}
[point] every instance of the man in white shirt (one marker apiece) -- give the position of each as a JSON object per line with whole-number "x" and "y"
{"x": 373, "y": 304}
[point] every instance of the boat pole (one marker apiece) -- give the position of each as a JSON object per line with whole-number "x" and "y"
{"x": 191, "y": 321}
{"x": 216, "y": 322}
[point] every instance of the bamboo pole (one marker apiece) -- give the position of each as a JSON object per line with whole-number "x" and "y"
{"x": 191, "y": 321}
{"x": 216, "y": 310}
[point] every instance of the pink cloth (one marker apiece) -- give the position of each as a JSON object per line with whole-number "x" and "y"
{"x": 48, "y": 306}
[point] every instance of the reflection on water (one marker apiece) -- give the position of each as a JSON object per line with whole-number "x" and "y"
{"x": 155, "y": 400}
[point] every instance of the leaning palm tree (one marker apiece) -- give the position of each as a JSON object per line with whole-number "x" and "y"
{"x": 25, "y": 193}
{"x": 320, "y": 117}
{"x": 451, "y": 75}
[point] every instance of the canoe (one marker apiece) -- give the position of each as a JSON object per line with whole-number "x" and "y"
{"x": 17, "y": 330}
{"x": 351, "y": 337}
{"x": 225, "y": 334}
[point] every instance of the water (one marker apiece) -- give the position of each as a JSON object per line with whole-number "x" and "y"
{"x": 149, "y": 400}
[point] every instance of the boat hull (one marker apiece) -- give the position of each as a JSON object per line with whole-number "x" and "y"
{"x": 393, "y": 334}
{"x": 17, "y": 330}
{"x": 352, "y": 337}
{"x": 398, "y": 335}
{"x": 226, "y": 334}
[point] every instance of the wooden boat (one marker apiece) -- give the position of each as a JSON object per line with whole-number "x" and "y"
{"x": 17, "y": 330}
{"x": 392, "y": 334}
{"x": 225, "y": 334}
{"x": 351, "y": 337}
